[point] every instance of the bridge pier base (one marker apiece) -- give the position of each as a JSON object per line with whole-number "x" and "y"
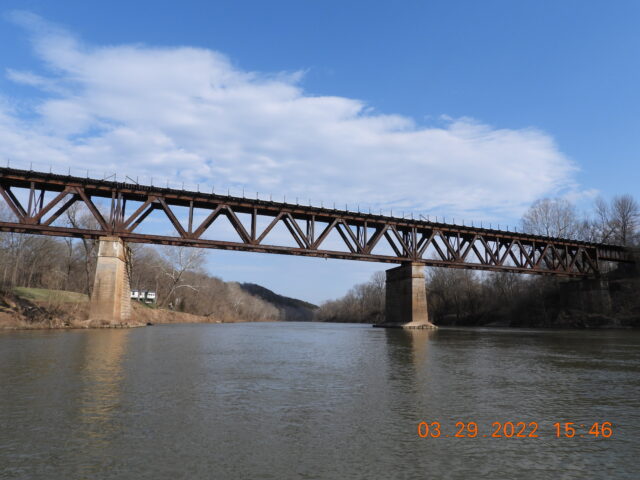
{"x": 406, "y": 298}
{"x": 111, "y": 297}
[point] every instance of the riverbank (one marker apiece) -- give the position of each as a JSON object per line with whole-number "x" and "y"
{"x": 611, "y": 302}
{"x": 465, "y": 298}
{"x": 33, "y": 308}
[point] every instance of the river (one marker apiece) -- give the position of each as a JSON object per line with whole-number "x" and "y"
{"x": 318, "y": 401}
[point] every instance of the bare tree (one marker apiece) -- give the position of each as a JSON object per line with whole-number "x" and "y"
{"x": 144, "y": 263}
{"x": 177, "y": 261}
{"x": 551, "y": 217}
{"x": 454, "y": 291}
{"x": 364, "y": 303}
{"x": 625, "y": 213}
{"x": 602, "y": 226}
{"x": 78, "y": 216}
{"x": 617, "y": 221}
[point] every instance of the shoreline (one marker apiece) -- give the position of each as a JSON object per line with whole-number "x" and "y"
{"x": 443, "y": 327}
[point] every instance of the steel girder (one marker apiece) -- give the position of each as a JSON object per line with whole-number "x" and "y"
{"x": 363, "y": 235}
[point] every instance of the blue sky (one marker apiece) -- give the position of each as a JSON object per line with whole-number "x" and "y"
{"x": 450, "y": 108}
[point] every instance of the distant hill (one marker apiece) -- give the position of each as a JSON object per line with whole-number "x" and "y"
{"x": 293, "y": 310}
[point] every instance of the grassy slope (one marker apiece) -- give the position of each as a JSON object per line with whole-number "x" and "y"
{"x": 41, "y": 308}
{"x": 52, "y": 296}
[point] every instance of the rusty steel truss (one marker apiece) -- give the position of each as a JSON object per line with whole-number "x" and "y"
{"x": 363, "y": 235}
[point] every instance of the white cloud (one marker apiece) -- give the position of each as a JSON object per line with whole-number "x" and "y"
{"x": 189, "y": 113}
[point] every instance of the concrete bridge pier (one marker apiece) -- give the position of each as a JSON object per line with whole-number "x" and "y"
{"x": 111, "y": 297}
{"x": 406, "y": 298}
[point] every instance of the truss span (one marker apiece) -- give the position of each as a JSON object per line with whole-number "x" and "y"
{"x": 38, "y": 200}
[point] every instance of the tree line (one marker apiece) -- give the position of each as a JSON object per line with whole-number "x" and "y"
{"x": 616, "y": 222}
{"x": 477, "y": 298}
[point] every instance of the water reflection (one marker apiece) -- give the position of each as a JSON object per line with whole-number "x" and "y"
{"x": 408, "y": 373}
{"x": 100, "y": 395}
{"x": 410, "y": 347}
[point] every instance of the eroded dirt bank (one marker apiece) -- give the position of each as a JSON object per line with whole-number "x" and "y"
{"x": 67, "y": 310}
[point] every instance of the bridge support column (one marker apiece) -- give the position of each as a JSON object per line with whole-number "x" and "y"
{"x": 406, "y": 298}
{"x": 111, "y": 297}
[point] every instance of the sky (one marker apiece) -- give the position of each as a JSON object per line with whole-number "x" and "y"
{"x": 460, "y": 109}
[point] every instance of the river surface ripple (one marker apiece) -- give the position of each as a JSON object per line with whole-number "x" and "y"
{"x": 314, "y": 401}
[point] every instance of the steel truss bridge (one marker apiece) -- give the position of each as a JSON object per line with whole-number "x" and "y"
{"x": 38, "y": 199}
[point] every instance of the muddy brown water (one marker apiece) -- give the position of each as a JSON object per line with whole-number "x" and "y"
{"x": 316, "y": 401}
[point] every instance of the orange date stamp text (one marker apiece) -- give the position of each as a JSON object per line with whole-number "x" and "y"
{"x": 515, "y": 430}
